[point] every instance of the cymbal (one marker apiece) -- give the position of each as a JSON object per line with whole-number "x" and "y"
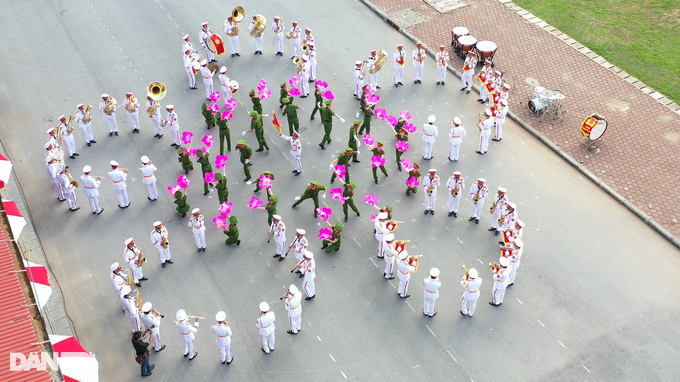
{"x": 547, "y": 93}
{"x": 560, "y": 96}
{"x": 532, "y": 82}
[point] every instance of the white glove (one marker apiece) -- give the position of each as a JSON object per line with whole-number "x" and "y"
{"x": 302, "y": 109}
{"x": 358, "y": 145}
{"x": 330, "y": 166}
{"x": 323, "y": 196}
{"x": 243, "y": 133}
{"x": 247, "y": 160}
{"x": 297, "y": 198}
{"x": 342, "y": 120}
{"x": 358, "y": 151}
{"x": 249, "y": 182}
{"x": 357, "y": 115}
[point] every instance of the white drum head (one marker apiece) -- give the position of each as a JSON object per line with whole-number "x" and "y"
{"x": 536, "y": 104}
{"x": 460, "y": 31}
{"x": 486, "y": 46}
{"x": 598, "y": 130}
{"x": 467, "y": 41}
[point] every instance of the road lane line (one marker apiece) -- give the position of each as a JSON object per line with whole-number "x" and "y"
{"x": 454, "y": 358}
{"x": 318, "y": 338}
{"x": 376, "y": 265}
{"x": 343, "y": 374}
{"x": 428, "y": 328}
{"x": 520, "y": 301}
{"x": 561, "y": 344}
{"x": 461, "y": 241}
{"x": 480, "y": 261}
{"x": 331, "y": 357}
{"x": 355, "y": 240}
{"x": 584, "y": 366}
{"x": 539, "y": 321}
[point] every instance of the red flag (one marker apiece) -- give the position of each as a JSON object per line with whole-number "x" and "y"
{"x": 276, "y": 123}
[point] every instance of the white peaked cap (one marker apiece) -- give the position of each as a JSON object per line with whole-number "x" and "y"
{"x": 264, "y": 307}
{"x": 181, "y": 315}
{"x": 220, "y": 316}
{"x": 146, "y": 307}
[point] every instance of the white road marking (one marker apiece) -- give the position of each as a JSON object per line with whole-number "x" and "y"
{"x": 454, "y": 358}
{"x": 376, "y": 265}
{"x": 584, "y": 366}
{"x": 331, "y": 357}
{"x": 390, "y": 281}
{"x": 409, "y": 305}
{"x": 318, "y": 338}
{"x": 561, "y": 344}
{"x": 447, "y": 228}
{"x": 480, "y": 261}
{"x": 428, "y": 328}
{"x": 461, "y": 241}
{"x": 519, "y": 301}
{"x": 539, "y": 321}
{"x": 355, "y": 240}
{"x": 343, "y": 374}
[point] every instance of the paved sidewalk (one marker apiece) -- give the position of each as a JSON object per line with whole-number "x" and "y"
{"x": 638, "y": 153}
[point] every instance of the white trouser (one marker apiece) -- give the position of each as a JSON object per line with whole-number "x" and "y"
{"x": 358, "y": 84}
{"x": 430, "y": 199}
{"x": 111, "y": 123}
{"x": 94, "y": 203}
{"x": 484, "y": 141}
{"x": 389, "y": 266}
{"x": 299, "y": 256}
{"x": 257, "y": 43}
{"x": 381, "y": 243}
{"x": 151, "y": 190}
{"x": 199, "y": 236}
{"x": 453, "y": 202}
{"x": 476, "y": 208}
{"x": 470, "y": 298}
{"x": 192, "y": 77}
{"x": 268, "y": 341}
{"x": 280, "y": 245}
{"x": 428, "y": 148}
{"x": 295, "y": 322}
{"x": 87, "y": 132}
{"x": 188, "y": 344}
{"x": 403, "y": 283}
{"x": 226, "y": 93}
{"x": 454, "y": 150}
{"x": 208, "y": 82}
{"x": 297, "y": 162}
{"x": 279, "y": 42}
{"x": 498, "y": 292}
{"x": 136, "y": 322}
{"x": 466, "y": 79}
{"x": 305, "y": 84}
{"x": 57, "y": 187}
{"x": 312, "y": 69}
{"x": 209, "y": 55}
{"x": 163, "y": 253}
{"x": 137, "y": 272}
{"x": 308, "y": 284}
{"x": 157, "y": 124}
{"x": 175, "y": 135}
{"x": 513, "y": 273}
{"x": 398, "y": 73}
{"x": 70, "y": 144}
{"x": 296, "y": 46}
{"x": 372, "y": 78}
{"x": 225, "y": 350}
{"x": 70, "y": 198}
{"x": 499, "y": 127}
{"x": 233, "y": 43}
{"x": 417, "y": 71}
{"x": 495, "y": 217}
{"x": 134, "y": 120}
{"x": 156, "y": 335}
{"x": 441, "y": 73}
{"x": 122, "y": 197}
{"x": 483, "y": 92}
{"x": 429, "y": 303}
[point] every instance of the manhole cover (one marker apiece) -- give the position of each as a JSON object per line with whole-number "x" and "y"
{"x": 406, "y": 18}
{"x": 444, "y": 6}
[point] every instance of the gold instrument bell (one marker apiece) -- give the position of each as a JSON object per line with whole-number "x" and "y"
{"x": 237, "y": 15}
{"x": 157, "y": 90}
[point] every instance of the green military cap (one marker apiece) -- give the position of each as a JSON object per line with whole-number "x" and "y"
{"x": 328, "y": 102}
{"x": 275, "y": 198}
{"x": 204, "y": 106}
{"x": 285, "y": 100}
{"x": 380, "y": 144}
{"x": 178, "y": 194}
{"x": 389, "y": 208}
{"x": 357, "y": 122}
{"x": 352, "y": 184}
{"x": 349, "y": 149}
{"x": 338, "y": 226}
{"x": 233, "y": 220}
{"x": 218, "y": 176}
{"x": 199, "y": 153}
{"x": 253, "y": 113}
{"x": 252, "y": 93}
{"x": 316, "y": 184}
{"x": 267, "y": 172}
{"x": 240, "y": 142}
{"x": 283, "y": 85}
{"x": 180, "y": 151}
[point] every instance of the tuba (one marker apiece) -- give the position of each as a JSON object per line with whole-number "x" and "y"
{"x": 237, "y": 16}
{"x": 130, "y": 107}
{"x": 156, "y": 90}
{"x": 87, "y": 118}
{"x": 109, "y": 107}
{"x": 379, "y": 62}
{"x": 259, "y": 27}
{"x": 69, "y": 125}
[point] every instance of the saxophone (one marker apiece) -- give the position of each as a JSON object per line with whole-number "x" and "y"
{"x": 109, "y": 108}
{"x": 164, "y": 240}
{"x": 73, "y": 183}
{"x": 138, "y": 300}
{"x": 476, "y": 197}
{"x": 129, "y": 280}
{"x": 140, "y": 258}
{"x": 87, "y": 118}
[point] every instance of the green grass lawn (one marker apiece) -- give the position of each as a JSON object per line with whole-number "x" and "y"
{"x": 641, "y": 37}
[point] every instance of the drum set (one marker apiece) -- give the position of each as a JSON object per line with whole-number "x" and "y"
{"x": 463, "y": 43}
{"x": 543, "y": 101}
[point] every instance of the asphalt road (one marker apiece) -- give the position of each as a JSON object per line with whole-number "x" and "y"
{"x": 594, "y": 298}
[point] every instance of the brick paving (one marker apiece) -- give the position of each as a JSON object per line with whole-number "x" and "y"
{"x": 638, "y": 153}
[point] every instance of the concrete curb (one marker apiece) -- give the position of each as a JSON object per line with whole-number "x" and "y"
{"x": 647, "y": 219}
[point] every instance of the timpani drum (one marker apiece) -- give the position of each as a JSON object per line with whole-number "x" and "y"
{"x": 486, "y": 50}
{"x": 456, "y": 33}
{"x": 467, "y": 43}
{"x": 594, "y": 127}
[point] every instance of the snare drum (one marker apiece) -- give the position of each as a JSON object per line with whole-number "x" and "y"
{"x": 486, "y": 50}
{"x": 234, "y": 86}
{"x": 593, "y": 127}
{"x": 456, "y": 34}
{"x": 467, "y": 43}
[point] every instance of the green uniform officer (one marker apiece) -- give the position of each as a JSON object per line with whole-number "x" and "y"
{"x": 283, "y": 94}
{"x": 378, "y": 151}
{"x": 368, "y": 115}
{"x": 181, "y": 202}
{"x": 222, "y": 189}
{"x": 208, "y": 115}
{"x": 257, "y": 105}
{"x": 327, "y": 119}
{"x": 184, "y": 160}
{"x": 224, "y": 134}
{"x": 266, "y": 174}
{"x": 413, "y": 173}
{"x": 271, "y": 207}
{"x": 318, "y": 99}
{"x": 348, "y": 195}
{"x": 333, "y": 244}
{"x": 342, "y": 159}
{"x": 232, "y": 232}
{"x": 312, "y": 192}
{"x": 206, "y": 167}
{"x": 290, "y": 111}
{"x": 402, "y": 135}
{"x": 353, "y": 140}
{"x": 257, "y": 125}
{"x": 246, "y": 157}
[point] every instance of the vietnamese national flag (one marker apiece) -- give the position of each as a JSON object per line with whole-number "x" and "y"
{"x": 276, "y": 123}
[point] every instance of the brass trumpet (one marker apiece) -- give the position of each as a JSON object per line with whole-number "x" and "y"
{"x": 467, "y": 272}
{"x": 494, "y": 267}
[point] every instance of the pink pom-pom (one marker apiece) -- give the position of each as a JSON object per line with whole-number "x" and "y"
{"x": 215, "y": 108}
{"x": 209, "y": 177}
{"x": 377, "y": 161}
{"x": 207, "y": 140}
{"x": 221, "y": 161}
{"x": 404, "y": 114}
{"x": 183, "y": 181}
{"x": 193, "y": 152}
{"x": 321, "y": 84}
{"x": 373, "y": 217}
{"x": 324, "y": 213}
{"x": 265, "y": 93}
{"x": 402, "y": 146}
{"x": 263, "y": 83}
{"x": 368, "y": 140}
{"x": 172, "y": 190}
{"x": 371, "y": 199}
{"x": 372, "y": 99}
{"x": 186, "y": 137}
{"x": 294, "y": 92}
{"x": 328, "y": 95}
{"x": 380, "y": 113}
{"x": 372, "y": 88}
{"x": 293, "y": 81}
{"x": 392, "y": 120}
{"x": 406, "y": 164}
{"x": 325, "y": 234}
{"x": 230, "y": 104}
{"x": 340, "y": 170}
{"x": 336, "y": 194}
{"x": 412, "y": 182}
{"x": 227, "y": 115}
{"x": 411, "y": 128}
{"x": 265, "y": 182}
{"x": 220, "y": 222}
{"x": 225, "y": 209}
{"x": 255, "y": 203}
{"x": 215, "y": 96}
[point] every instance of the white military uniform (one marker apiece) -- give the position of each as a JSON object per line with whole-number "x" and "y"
{"x": 203, "y": 35}
{"x": 509, "y": 219}
{"x": 450, "y": 185}
{"x": 233, "y": 40}
{"x": 380, "y": 232}
{"x": 130, "y": 257}
{"x": 312, "y": 63}
{"x": 430, "y": 133}
{"x": 186, "y": 334}
{"x": 500, "y": 120}
{"x": 156, "y": 117}
{"x": 487, "y": 124}
{"x": 456, "y": 136}
{"x": 501, "y": 279}
{"x": 399, "y": 61}
{"x": 174, "y": 127}
{"x": 300, "y": 246}
{"x": 68, "y": 190}
{"x": 189, "y": 69}
{"x": 295, "y": 39}
{"x": 404, "y": 276}
{"x": 308, "y": 269}
{"x": 372, "y": 77}
{"x": 358, "y": 81}
{"x": 91, "y": 190}
{"x": 67, "y": 139}
{"x": 468, "y": 301}
{"x": 132, "y": 116}
{"x": 207, "y": 80}
{"x": 152, "y": 319}
{"x": 431, "y": 295}
{"x": 485, "y": 73}
{"x": 266, "y": 324}
{"x": 86, "y": 127}
{"x": 132, "y": 312}
{"x": 500, "y": 201}
{"x": 119, "y": 178}
{"x": 430, "y": 200}
{"x": 418, "y": 64}
{"x": 442, "y": 58}
{"x": 278, "y": 229}
{"x": 294, "y": 307}
{"x": 278, "y": 29}
{"x": 257, "y": 41}
{"x": 295, "y": 151}
{"x": 468, "y": 72}
{"x": 226, "y": 86}
{"x": 304, "y": 78}
{"x": 390, "y": 255}
{"x": 53, "y": 170}
{"x": 118, "y": 281}
{"x": 111, "y": 123}
{"x": 156, "y": 239}
{"x": 223, "y": 334}
{"x": 477, "y": 208}
{"x": 149, "y": 179}
{"x": 197, "y": 224}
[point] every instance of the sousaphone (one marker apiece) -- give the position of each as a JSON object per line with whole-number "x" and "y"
{"x": 156, "y": 90}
